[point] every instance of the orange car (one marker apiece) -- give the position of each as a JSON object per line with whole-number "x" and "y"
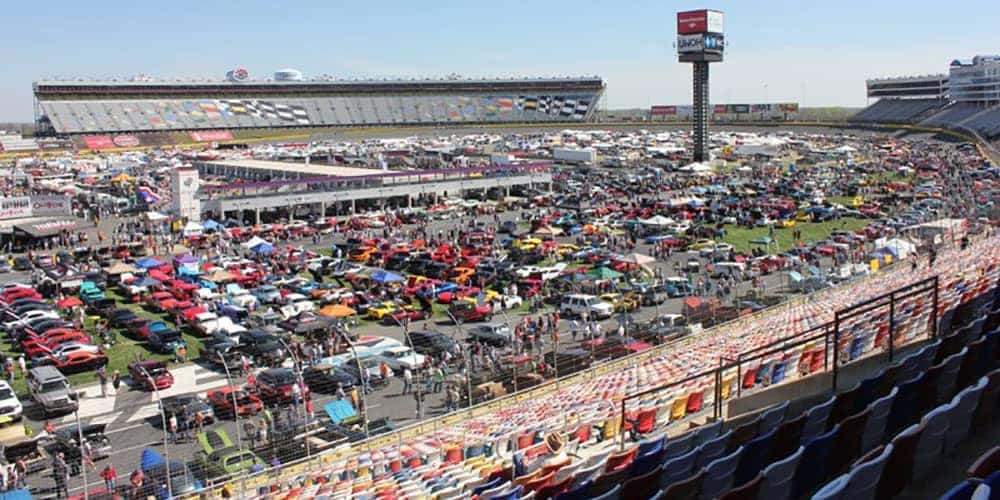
{"x": 222, "y": 400}
{"x": 361, "y": 254}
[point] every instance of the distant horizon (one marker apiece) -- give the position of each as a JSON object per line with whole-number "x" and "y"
{"x": 818, "y": 55}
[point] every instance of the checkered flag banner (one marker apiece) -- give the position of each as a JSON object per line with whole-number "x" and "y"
{"x": 266, "y": 110}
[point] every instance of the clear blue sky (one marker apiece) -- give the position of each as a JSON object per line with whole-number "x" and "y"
{"x": 815, "y": 52}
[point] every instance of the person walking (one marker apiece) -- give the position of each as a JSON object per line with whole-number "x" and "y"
{"x": 102, "y": 375}
{"x": 407, "y": 380}
{"x": 60, "y": 474}
{"x": 116, "y": 382}
{"x": 438, "y": 379}
{"x": 109, "y": 474}
{"x": 172, "y": 428}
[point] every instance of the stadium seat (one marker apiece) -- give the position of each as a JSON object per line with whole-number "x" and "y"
{"x": 749, "y": 490}
{"x": 788, "y": 437}
{"x": 713, "y": 449}
{"x": 904, "y": 407}
{"x": 772, "y": 417}
{"x": 812, "y": 470}
{"x": 848, "y": 445}
{"x": 554, "y": 488}
{"x": 816, "y": 419}
{"x": 986, "y": 464}
{"x": 931, "y": 444}
{"x": 949, "y": 376}
{"x": 756, "y": 454}
{"x": 874, "y": 432}
{"x": 645, "y": 463}
{"x": 686, "y": 489}
{"x": 579, "y": 491}
{"x": 614, "y": 493}
{"x": 864, "y": 478}
{"x": 988, "y": 402}
{"x": 743, "y": 433}
{"x": 706, "y": 433}
{"x": 845, "y": 405}
{"x": 965, "y": 403}
{"x": 621, "y": 460}
{"x": 679, "y": 468}
{"x": 608, "y": 481}
{"x": 679, "y": 445}
{"x": 720, "y": 475}
{"x": 779, "y": 475}
{"x": 644, "y": 485}
{"x": 834, "y": 490}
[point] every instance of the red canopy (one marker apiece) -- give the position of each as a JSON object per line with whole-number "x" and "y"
{"x": 69, "y": 302}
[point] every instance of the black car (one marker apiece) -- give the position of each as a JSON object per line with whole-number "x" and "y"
{"x": 121, "y": 317}
{"x": 186, "y": 406}
{"x": 22, "y": 263}
{"x": 276, "y": 385}
{"x": 433, "y": 343}
{"x": 397, "y": 261}
{"x": 324, "y": 378}
{"x": 223, "y": 354}
{"x": 508, "y": 227}
{"x": 262, "y": 346}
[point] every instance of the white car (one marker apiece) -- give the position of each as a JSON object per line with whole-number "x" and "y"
{"x": 377, "y": 345}
{"x": 30, "y": 315}
{"x": 402, "y": 357}
{"x": 300, "y": 303}
{"x": 546, "y": 273}
{"x": 64, "y": 349}
{"x": 511, "y": 301}
{"x": 580, "y": 304}
{"x": 10, "y": 406}
{"x": 242, "y": 298}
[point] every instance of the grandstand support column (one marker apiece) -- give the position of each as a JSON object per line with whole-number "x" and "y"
{"x": 354, "y": 206}
{"x": 256, "y": 216}
{"x": 409, "y": 201}
{"x": 322, "y": 209}
{"x": 700, "y": 111}
{"x": 291, "y": 213}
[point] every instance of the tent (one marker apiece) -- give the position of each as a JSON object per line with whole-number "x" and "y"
{"x": 263, "y": 249}
{"x": 149, "y": 263}
{"x": 149, "y": 459}
{"x": 339, "y": 410}
{"x": 383, "y": 276}
{"x": 252, "y": 242}
{"x": 337, "y": 311}
{"x": 210, "y": 225}
{"x": 638, "y": 259}
{"x": 122, "y": 268}
{"x": 604, "y": 273}
{"x": 899, "y": 248}
{"x": 656, "y": 221}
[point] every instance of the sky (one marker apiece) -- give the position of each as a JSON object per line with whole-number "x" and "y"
{"x": 818, "y": 53}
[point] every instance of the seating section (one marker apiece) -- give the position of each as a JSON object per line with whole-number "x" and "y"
{"x": 80, "y": 116}
{"x": 896, "y": 110}
{"x": 953, "y": 115}
{"x": 867, "y": 441}
{"x": 986, "y": 123}
{"x": 14, "y": 143}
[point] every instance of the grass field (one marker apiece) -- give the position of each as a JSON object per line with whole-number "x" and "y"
{"x": 740, "y": 237}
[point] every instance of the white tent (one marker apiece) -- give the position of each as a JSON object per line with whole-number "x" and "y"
{"x": 657, "y": 221}
{"x": 696, "y": 168}
{"x": 901, "y": 248}
{"x": 252, "y": 242}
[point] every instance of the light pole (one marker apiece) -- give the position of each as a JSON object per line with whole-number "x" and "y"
{"x": 163, "y": 418}
{"x": 83, "y": 466}
{"x": 361, "y": 377}
{"x": 236, "y": 413}
{"x": 467, "y": 352}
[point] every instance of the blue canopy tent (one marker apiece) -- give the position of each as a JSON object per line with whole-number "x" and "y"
{"x": 210, "y": 225}
{"x": 383, "y": 276}
{"x": 339, "y": 410}
{"x": 188, "y": 272}
{"x": 263, "y": 249}
{"x": 16, "y": 495}
{"x": 149, "y": 263}
{"x": 155, "y": 467}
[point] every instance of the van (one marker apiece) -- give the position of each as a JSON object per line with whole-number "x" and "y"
{"x": 737, "y": 269}
{"x": 589, "y": 305}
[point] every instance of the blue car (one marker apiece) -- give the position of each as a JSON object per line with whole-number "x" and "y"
{"x": 165, "y": 341}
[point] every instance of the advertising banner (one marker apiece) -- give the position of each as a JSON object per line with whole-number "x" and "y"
{"x": 663, "y": 110}
{"x": 720, "y": 109}
{"x": 125, "y": 141}
{"x": 51, "y": 205}
{"x": 737, "y": 108}
{"x": 98, "y": 142}
{"x": 789, "y": 107}
{"x": 15, "y": 207}
{"x": 761, "y": 108}
{"x": 211, "y": 135}
{"x": 690, "y": 43}
{"x": 699, "y": 21}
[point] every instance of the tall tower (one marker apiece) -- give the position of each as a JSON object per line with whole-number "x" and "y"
{"x": 184, "y": 193}
{"x": 700, "y": 41}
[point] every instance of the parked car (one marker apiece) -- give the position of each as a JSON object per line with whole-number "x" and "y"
{"x": 275, "y": 385}
{"x": 10, "y": 406}
{"x": 51, "y": 391}
{"x": 150, "y": 374}
{"x": 67, "y": 441}
{"x": 433, "y": 343}
{"x": 399, "y": 358}
{"x": 223, "y": 400}
{"x": 589, "y": 305}
{"x": 495, "y": 334}
{"x": 186, "y": 406}
{"x": 219, "y": 457}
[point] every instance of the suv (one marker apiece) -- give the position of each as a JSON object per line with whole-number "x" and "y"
{"x": 580, "y": 304}
{"x": 50, "y": 389}
{"x": 10, "y": 406}
{"x": 433, "y": 343}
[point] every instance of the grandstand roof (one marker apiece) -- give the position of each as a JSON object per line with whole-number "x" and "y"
{"x": 299, "y": 168}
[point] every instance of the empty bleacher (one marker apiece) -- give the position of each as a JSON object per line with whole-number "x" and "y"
{"x": 896, "y": 110}
{"x": 987, "y": 123}
{"x": 14, "y": 142}
{"x": 953, "y": 115}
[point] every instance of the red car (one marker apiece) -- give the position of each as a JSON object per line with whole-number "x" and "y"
{"x": 55, "y": 336}
{"x": 221, "y": 399}
{"x": 275, "y": 384}
{"x": 466, "y": 312}
{"x": 79, "y": 361}
{"x": 150, "y": 374}
{"x": 42, "y": 348}
{"x": 404, "y": 314}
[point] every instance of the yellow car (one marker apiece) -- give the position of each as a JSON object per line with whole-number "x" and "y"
{"x": 804, "y": 217}
{"x": 490, "y": 296}
{"x": 699, "y": 244}
{"x": 527, "y": 243}
{"x": 786, "y": 223}
{"x": 381, "y": 310}
{"x": 567, "y": 248}
{"x": 621, "y": 303}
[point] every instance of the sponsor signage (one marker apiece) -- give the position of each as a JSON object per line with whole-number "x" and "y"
{"x": 211, "y": 135}
{"x": 51, "y": 205}
{"x": 125, "y": 141}
{"x": 789, "y": 107}
{"x": 761, "y": 108}
{"x": 98, "y": 141}
{"x": 720, "y": 109}
{"x": 663, "y": 110}
{"x": 737, "y": 108}
{"x": 699, "y": 21}
{"x": 704, "y": 42}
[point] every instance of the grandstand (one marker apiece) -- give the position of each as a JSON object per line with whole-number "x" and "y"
{"x": 90, "y": 107}
{"x": 896, "y": 110}
{"x": 15, "y": 143}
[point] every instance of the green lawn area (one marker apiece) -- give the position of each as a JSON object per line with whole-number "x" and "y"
{"x": 847, "y": 201}
{"x": 740, "y": 237}
{"x": 119, "y": 355}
